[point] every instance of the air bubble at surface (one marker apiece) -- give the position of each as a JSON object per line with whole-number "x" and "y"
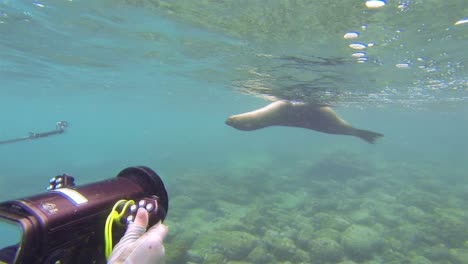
{"x": 351, "y": 35}
{"x": 357, "y": 46}
{"x": 402, "y": 65}
{"x": 375, "y": 3}
{"x": 461, "y": 21}
{"x": 358, "y": 54}
{"x": 362, "y": 60}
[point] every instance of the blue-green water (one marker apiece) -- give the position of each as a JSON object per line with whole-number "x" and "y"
{"x": 151, "y": 83}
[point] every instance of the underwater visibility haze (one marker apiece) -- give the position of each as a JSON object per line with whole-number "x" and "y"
{"x": 151, "y": 82}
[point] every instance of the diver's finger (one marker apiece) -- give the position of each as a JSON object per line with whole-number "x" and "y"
{"x": 141, "y": 218}
{"x": 136, "y": 228}
{"x": 127, "y": 243}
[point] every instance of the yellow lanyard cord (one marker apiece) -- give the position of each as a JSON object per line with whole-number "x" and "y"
{"x": 114, "y": 216}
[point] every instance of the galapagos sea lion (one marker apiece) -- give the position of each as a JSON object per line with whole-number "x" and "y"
{"x": 316, "y": 117}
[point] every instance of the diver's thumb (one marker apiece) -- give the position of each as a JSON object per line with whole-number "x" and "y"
{"x": 137, "y": 228}
{"x": 141, "y": 218}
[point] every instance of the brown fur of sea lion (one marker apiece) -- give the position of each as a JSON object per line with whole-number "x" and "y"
{"x": 320, "y": 118}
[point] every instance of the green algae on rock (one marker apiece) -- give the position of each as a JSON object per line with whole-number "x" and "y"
{"x": 459, "y": 255}
{"x": 361, "y": 242}
{"x": 260, "y": 255}
{"x": 234, "y": 245}
{"x": 326, "y": 250}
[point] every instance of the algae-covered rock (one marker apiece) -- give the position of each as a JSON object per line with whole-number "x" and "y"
{"x": 362, "y": 216}
{"x": 361, "y": 242}
{"x": 214, "y": 258}
{"x": 196, "y": 256}
{"x": 321, "y": 219}
{"x": 339, "y": 224}
{"x": 270, "y": 236}
{"x": 437, "y": 252}
{"x": 237, "y": 245}
{"x": 408, "y": 235}
{"x": 414, "y": 213}
{"x": 328, "y": 233}
{"x": 283, "y": 248}
{"x": 459, "y": 255}
{"x": 234, "y": 245}
{"x": 347, "y": 262}
{"x": 260, "y": 255}
{"x": 325, "y": 250}
{"x": 305, "y": 234}
{"x": 177, "y": 247}
{"x": 450, "y": 225}
{"x": 419, "y": 260}
{"x": 301, "y": 257}
{"x": 254, "y": 220}
{"x": 324, "y": 220}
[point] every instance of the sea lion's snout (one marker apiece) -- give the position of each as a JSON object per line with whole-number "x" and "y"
{"x": 238, "y": 123}
{"x": 233, "y": 122}
{"x": 229, "y": 121}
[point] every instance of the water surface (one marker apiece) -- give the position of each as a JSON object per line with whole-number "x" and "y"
{"x": 151, "y": 83}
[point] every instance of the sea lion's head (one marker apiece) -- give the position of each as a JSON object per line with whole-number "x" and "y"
{"x": 241, "y": 123}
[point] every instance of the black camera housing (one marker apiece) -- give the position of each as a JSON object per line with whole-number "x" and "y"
{"x": 66, "y": 225}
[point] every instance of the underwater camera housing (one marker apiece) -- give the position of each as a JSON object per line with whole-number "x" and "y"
{"x": 66, "y": 224}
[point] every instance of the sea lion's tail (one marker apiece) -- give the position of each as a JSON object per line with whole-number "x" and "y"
{"x": 367, "y": 135}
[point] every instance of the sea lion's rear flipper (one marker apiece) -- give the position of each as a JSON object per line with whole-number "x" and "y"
{"x": 367, "y": 135}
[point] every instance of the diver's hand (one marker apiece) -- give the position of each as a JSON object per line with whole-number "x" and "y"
{"x": 138, "y": 247}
